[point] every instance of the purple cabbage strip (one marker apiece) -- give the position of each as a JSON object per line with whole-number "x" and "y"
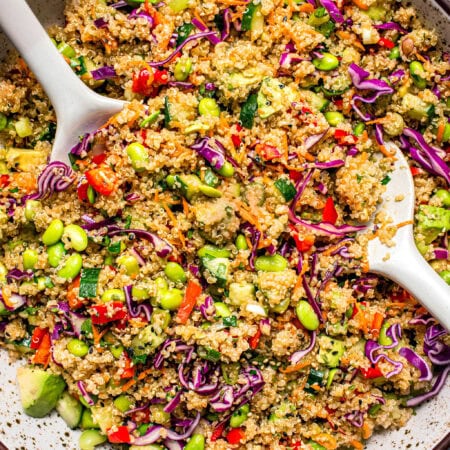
{"x": 312, "y": 301}
{"x": 19, "y": 275}
{"x": 333, "y": 10}
{"x": 136, "y": 310}
{"x": 391, "y": 26}
{"x": 139, "y": 13}
{"x": 212, "y": 150}
{"x": 297, "y": 356}
{"x": 356, "y": 418}
{"x": 300, "y": 188}
{"x": 194, "y": 37}
{"x": 333, "y": 164}
{"x": 207, "y": 308}
{"x": 81, "y": 148}
{"x": 101, "y": 23}
{"x": 104, "y": 73}
{"x": 417, "y": 361}
{"x": 436, "y": 388}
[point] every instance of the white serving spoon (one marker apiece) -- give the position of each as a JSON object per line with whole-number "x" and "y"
{"x": 79, "y": 110}
{"x": 403, "y": 263}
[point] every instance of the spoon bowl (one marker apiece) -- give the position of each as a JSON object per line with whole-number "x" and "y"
{"x": 399, "y": 259}
{"x": 79, "y": 110}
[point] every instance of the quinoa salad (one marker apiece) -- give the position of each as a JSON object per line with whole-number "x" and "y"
{"x": 197, "y": 277}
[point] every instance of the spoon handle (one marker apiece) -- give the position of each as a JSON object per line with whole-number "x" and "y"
{"x": 33, "y": 43}
{"x": 413, "y": 273}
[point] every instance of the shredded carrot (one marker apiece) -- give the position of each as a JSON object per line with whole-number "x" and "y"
{"x": 404, "y": 224}
{"x": 249, "y": 242}
{"x": 25, "y": 181}
{"x": 440, "y": 132}
{"x": 98, "y": 335}
{"x": 397, "y": 305}
{"x": 308, "y": 155}
{"x": 421, "y": 58}
{"x": 157, "y": 196}
{"x": 234, "y": 2}
{"x": 367, "y": 432}
{"x": 385, "y": 151}
{"x": 326, "y": 440}
{"x": 379, "y": 120}
{"x": 185, "y": 207}
{"x": 247, "y": 215}
{"x": 377, "y": 321}
{"x": 197, "y": 16}
{"x": 360, "y": 4}
{"x": 357, "y": 445}
{"x": 299, "y": 366}
{"x": 128, "y": 385}
{"x": 306, "y": 8}
{"x": 143, "y": 374}
{"x": 170, "y": 214}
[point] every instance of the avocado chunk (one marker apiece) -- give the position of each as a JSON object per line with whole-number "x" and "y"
{"x": 331, "y": 351}
{"x": 273, "y": 97}
{"x": 70, "y": 409}
{"x": 39, "y": 390}
{"x": 25, "y": 160}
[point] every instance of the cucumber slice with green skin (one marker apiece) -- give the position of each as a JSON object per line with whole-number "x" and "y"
{"x": 218, "y": 268}
{"x": 251, "y": 18}
{"x": 248, "y": 111}
{"x": 70, "y": 409}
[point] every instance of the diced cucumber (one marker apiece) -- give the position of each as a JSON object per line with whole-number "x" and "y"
{"x": 331, "y": 351}
{"x": 315, "y": 378}
{"x": 178, "y": 5}
{"x": 147, "y": 341}
{"x": 218, "y": 268}
{"x": 416, "y": 108}
{"x": 70, "y": 409}
{"x": 241, "y": 293}
{"x": 253, "y": 20}
{"x": 316, "y": 100}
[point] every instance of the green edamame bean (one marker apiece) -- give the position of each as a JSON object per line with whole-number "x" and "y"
{"x": 76, "y": 237}
{"x": 315, "y": 446}
{"x": 71, "y": 267}
{"x": 239, "y": 416}
{"x": 55, "y": 254}
{"x": 116, "y": 350}
{"x": 123, "y": 403}
{"x": 196, "y": 442}
{"x": 3, "y": 272}
{"x": 418, "y": 73}
{"x": 227, "y": 170}
{"x": 113, "y": 295}
{"x": 43, "y": 283}
{"x": 171, "y": 299}
{"x": 222, "y": 310}
{"x": 139, "y": 293}
{"x": 241, "y": 242}
{"x": 29, "y": 258}
{"x": 383, "y": 339}
{"x": 87, "y": 421}
{"x": 130, "y": 263}
{"x": 445, "y": 275}
{"x": 446, "y": 135}
{"x": 307, "y": 316}
{"x": 275, "y": 263}
{"x": 175, "y": 272}
{"x": 53, "y": 233}
{"x": 78, "y": 347}
{"x": 160, "y": 320}
{"x": 444, "y": 196}
{"x": 359, "y": 129}
{"x": 91, "y": 438}
{"x": 208, "y": 107}
{"x": 138, "y": 156}
{"x": 161, "y": 285}
{"x": 210, "y": 191}
{"x": 326, "y": 62}
{"x": 182, "y": 69}
{"x": 334, "y": 118}
{"x": 31, "y": 208}
{"x": 158, "y": 415}
{"x": 3, "y": 121}
{"x": 394, "y": 53}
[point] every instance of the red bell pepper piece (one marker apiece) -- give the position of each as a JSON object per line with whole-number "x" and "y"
{"x": 108, "y": 312}
{"x": 303, "y": 245}
{"x": 294, "y": 175}
{"x": 121, "y": 436}
{"x": 129, "y": 369}
{"x": 385, "y": 42}
{"x": 161, "y": 77}
{"x": 415, "y": 171}
{"x": 191, "y": 295}
{"x": 75, "y": 302}
{"x": 267, "y": 152}
{"x": 345, "y": 138}
{"x": 37, "y": 337}
{"x": 99, "y": 159}
{"x": 103, "y": 179}
{"x": 329, "y": 213}
{"x": 254, "y": 340}
{"x": 82, "y": 189}
{"x": 143, "y": 82}
{"x": 42, "y": 355}
{"x": 371, "y": 372}
{"x": 217, "y": 433}
{"x": 235, "y": 436}
{"x": 4, "y": 181}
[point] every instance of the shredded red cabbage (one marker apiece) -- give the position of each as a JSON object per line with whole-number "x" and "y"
{"x": 212, "y": 150}
{"x": 417, "y": 361}
{"x": 138, "y": 13}
{"x": 84, "y": 393}
{"x": 104, "y": 73}
{"x": 15, "y": 301}
{"x": 391, "y": 26}
{"x": 297, "y": 356}
{"x": 436, "y": 388}
{"x": 19, "y": 275}
{"x": 101, "y": 23}
{"x": 325, "y": 165}
{"x": 333, "y": 10}
{"x": 356, "y": 418}
{"x": 136, "y": 310}
{"x": 194, "y": 37}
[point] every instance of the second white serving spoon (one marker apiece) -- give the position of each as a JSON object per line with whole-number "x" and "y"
{"x": 402, "y": 262}
{"x": 79, "y": 110}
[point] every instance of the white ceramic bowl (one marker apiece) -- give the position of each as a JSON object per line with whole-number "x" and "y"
{"x": 17, "y": 431}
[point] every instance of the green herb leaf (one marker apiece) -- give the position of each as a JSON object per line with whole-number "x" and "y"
{"x": 114, "y": 249}
{"x": 167, "y": 116}
{"x": 88, "y": 282}
{"x": 86, "y": 327}
{"x": 286, "y": 189}
{"x": 230, "y": 321}
{"x": 183, "y": 32}
{"x": 209, "y": 354}
{"x": 385, "y": 180}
